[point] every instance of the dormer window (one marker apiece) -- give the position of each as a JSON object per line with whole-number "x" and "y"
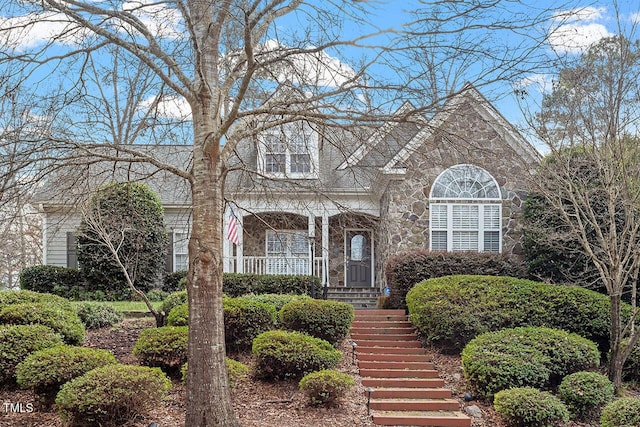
{"x": 289, "y": 151}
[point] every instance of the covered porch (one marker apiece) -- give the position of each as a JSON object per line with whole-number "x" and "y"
{"x": 339, "y": 249}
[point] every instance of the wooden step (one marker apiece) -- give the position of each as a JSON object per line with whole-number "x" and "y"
{"x": 388, "y": 343}
{"x": 378, "y": 350}
{"x": 384, "y": 357}
{"x": 415, "y": 404}
{"x": 381, "y": 324}
{"x": 384, "y": 337}
{"x": 377, "y": 364}
{"x": 403, "y": 382}
{"x": 410, "y": 393}
{"x": 382, "y": 330}
{"x": 399, "y": 373}
{"x": 421, "y": 418}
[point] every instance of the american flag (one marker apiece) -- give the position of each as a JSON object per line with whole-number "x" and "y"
{"x": 232, "y": 232}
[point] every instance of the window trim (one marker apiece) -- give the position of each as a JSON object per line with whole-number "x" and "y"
{"x": 285, "y": 130}
{"x": 175, "y": 254}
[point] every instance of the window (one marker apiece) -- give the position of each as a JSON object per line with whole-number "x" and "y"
{"x": 180, "y": 250}
{"x": 466, "y": 211}
{"x": 290, "y": 150}
{"x": 287, "y": 252}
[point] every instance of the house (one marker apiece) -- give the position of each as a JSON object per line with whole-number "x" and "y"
{"x": 338, "y": 203}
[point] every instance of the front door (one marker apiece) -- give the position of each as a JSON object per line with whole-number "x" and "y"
{"x": 358, "y": 251}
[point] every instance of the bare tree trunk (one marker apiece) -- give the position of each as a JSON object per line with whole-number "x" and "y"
{"x": 616, "y": 355}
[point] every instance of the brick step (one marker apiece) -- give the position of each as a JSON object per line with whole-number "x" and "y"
{"x": 380, "y": 315}
{"x": 387, "y": 343}
{"x": 410, "y": 393}
{"x": 379, "y": 350}
{"x": 399, "y": 373}
{"x": 381, "y": 324}
{"x": 414, "y": 404}
{"x": 382, "y": 331}
{"x": 421, "y": 418}
{"x": 384, "y": 337}
{"x": 376, "y": 364}
{"x": 403, "y": 382}
{"x": 380, "y": 312}
{"x": 384, "y": 357}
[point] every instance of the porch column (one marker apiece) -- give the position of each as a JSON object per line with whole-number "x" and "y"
{"x": 325, "y": 249}
{"x": 311, "y": 226}
{"x": 239, "y": 247}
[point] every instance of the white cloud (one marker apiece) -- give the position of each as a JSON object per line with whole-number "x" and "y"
{"x": 541, "y": 83}
{"x": 169, "y": 107}
{"x": 635, "y": 17}
{"x": 576, "y": 29}
{"x": 160, "y": 20}
{"x": 31, "y": 30}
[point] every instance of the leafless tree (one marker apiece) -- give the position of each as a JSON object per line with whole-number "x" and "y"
{"x": 108, "y": 73}
{"x": 590, "y": 179}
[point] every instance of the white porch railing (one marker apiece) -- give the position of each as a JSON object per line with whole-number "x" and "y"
{"x": 274, "y": 265}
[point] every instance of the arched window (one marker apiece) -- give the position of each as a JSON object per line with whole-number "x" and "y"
{"x": 466, "y": 211}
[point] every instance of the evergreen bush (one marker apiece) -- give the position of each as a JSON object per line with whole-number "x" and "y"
{"x": 63, "y": 321}
{"x": 325, "y": 387}
{"x": 22, "y": 297}
{"x": 525, "y": 357}
{"x": 51, "y": 279}
{"x": 164, "y": 347}
{"x": 450, "y": 311}
{"x": 19, "y": 341}
{"x": 623, "y": 412}
{"x": 327, "y": 320}
{"x": 237, "y": 284}
{"x": 529, "y": 407}
{"x": 276, "y": 300}
{"x": 284, "y": 355}
{"x": 172, "y": 300}
{"x": 45, "y": 371}
{"x": 244, "y": 320}
{"x": 585, "y": 393}
{"x": 236, "y": 371}
{"x": 97, "y": 315}
{"x": 179, "y": 315}
{"x": 111, "y": 395}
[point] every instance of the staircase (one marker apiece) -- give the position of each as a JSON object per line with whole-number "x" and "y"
{"x": 360, "y": 298}
{"x": 404, "y": 387}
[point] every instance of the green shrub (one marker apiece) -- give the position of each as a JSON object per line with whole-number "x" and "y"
{"x": 45, "y": 371}
{"x": 111, "y": 395}
{"x": 173, "y": 299}
{"x": 529, "y": 407}
{"x": 50, "y": 279}
{"x": 405, "y": 270}
{"x": 96, "y": 315}
{"x": 624, "y": 412}
{"x": 179, "y": 315}
{"x": 244, "y": 320}
{"x": 235, "y": 284}
{"x": 276, "y": 300}
{"x": 156, "y": 295}
{"x": 65, "y": 322}
{"x": 585, "y": 393}
{"x": 631, "y": 369}
{"x": 19, "y": 341}
{"x": 22, "y": 297}
{"x": 171, "y": 282}
{"x": 235, "y": 371}
{"x": 283, "y": 355}
{"x": 326, "y": 386}
{"x": 164, "y": 347}
{"x": 525, "y": 357}
{"x": 450, "y": 311}
{"x": 327, "y": 320}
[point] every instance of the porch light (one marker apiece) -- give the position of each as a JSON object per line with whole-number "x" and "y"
{"x": 369, "y": 391}
{"x": 353, "y": 352}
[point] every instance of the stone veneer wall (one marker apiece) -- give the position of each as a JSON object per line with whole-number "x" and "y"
{"x": 468, "y": 139}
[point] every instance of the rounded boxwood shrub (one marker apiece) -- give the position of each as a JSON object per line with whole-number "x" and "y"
{"x": 529, "y": 407}
{"x": 173, "y": 299}
{"x": 179, "y": 315}
{"x": 22, "y": 297}
{"x": 235, "y": 371}
{"x": 585, "y": 393}
{"x": 96, "y": 315}
{"x": 326, "y": 386}
{"x": 328, "y": 320}
{"x": 111, "y": 395}
{"x": 244, "y": 320}
{"x": 623, "y": 412}
{"x": 450, "y": 311}
{"x": 283, "y": 355}
{"x": 525, "y": 357}
{"x": 19, "y": 341}
{"x": 164, "y": 347}
{"x": 63, "y": 321}
{"x": 45, "y": 371}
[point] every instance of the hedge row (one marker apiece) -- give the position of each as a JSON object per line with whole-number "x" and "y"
{"x": 450, "y": 311}
{"x": 405, "y": 270}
